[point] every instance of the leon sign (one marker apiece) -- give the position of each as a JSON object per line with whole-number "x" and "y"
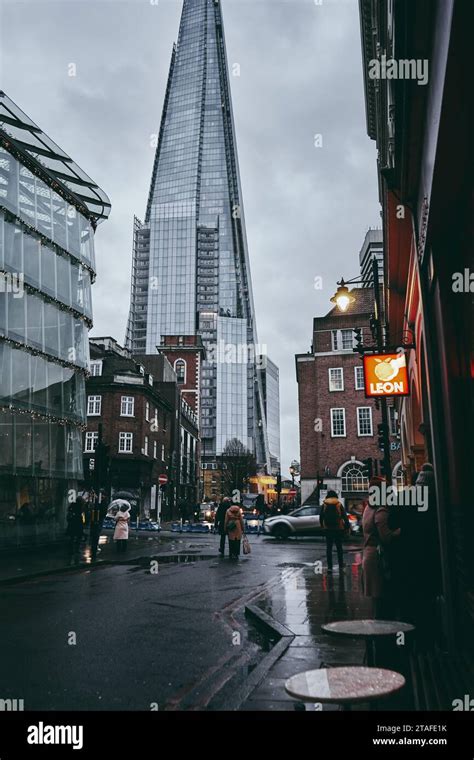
{"x": 385, "y": 375}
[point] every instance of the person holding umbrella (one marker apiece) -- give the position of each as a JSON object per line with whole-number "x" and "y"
{"x": 122, "y": 520}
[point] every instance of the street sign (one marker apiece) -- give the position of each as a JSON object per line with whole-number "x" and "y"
{"x": 163, "y": 479}
{"x": 385, "y": 375}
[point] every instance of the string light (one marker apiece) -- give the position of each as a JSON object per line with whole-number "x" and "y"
{"x": 47, "y": 242}
{"x": 63, "y": 421}
{"x": 34, "y": 352}
{"x": 51, "y": 299}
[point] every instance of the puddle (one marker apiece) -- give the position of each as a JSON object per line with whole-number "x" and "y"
{"x": 143, "y": 563}
{"x": 295, "y": 564}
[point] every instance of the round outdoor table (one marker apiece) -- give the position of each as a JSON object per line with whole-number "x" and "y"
{"x": 345, "y": 686}
{"x": 368, "y": 630}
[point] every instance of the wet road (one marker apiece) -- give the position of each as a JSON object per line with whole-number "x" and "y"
{"x": 129, "y": 638}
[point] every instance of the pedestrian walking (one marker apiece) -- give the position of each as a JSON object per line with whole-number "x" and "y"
{"x": 261, "y": 508}
{"x": 234, "y": 527}
{"x": 219, "y": 522}
{"x": 334, "y": 520}
{"x": 122, "y": 520}
{"x": 376, "y": 562}
{"x": 75, "y": 527}
{"x": 97, "y": 511}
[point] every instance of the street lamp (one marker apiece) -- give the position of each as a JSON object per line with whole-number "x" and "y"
{"x": 342, "y": 298}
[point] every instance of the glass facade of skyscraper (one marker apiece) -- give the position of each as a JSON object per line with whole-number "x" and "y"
{"x": 271, "y": 393}
{"x": 191, "y": 268}
{"x": 46, "y": 268}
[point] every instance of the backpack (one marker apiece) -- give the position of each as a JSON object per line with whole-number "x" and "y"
{"x": 332, "y": 517}
{"x": 231, "y": 525}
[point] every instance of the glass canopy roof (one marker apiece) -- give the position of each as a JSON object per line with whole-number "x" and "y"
{"x": 53, "y": 162}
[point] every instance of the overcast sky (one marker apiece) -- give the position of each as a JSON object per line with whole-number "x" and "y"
{"x": 307, "y": 208}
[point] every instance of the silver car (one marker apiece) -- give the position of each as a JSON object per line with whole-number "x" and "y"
{"x": 302, "y": 522}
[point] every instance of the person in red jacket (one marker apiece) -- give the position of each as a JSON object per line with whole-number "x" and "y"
{"x": 234, "y": 527}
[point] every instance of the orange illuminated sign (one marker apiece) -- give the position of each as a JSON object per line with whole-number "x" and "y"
{"x": 385, "y": 375}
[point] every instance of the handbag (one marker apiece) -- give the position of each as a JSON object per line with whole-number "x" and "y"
{"x": 246, "y": 545}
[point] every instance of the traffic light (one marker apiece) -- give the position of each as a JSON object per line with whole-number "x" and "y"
{"x": 381, "y": 431}
{"x": 368, "y": 470}
{"x": 383, "y": 471}
{"x": 358, "y": 339}
{"x": 278, "y": 483}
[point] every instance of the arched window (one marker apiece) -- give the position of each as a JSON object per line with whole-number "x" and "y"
{"x": 180, "y": 369}
{"x": 353, "y": 478}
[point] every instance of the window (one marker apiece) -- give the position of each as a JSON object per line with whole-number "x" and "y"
{"x": 342, "y": 340}
{"x": 95, "y": 368}
{"x": 125, "y": 443}
{"x": 147, "y": 412}
{"x": 145, "y": 448}
{"x": 163, "y": 452}
{"x": 338, "y": 423}
{"x": 155, "y": 447}
{"x": 353, "y": 478}
{"x": 393, "y": 420}
{"x": 180, "y": 369}
{"x": 336, "y": 379}
{"x": 90, "y": 442}
{"x": 127, "y": 406}
{"x": 364, "y": 420}
{"x": 94, "y": 406}
{"x": 359, "y": 378}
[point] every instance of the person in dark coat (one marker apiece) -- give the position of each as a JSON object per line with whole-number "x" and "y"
{"x": 219, "y": 522}
{"x": 334, "y": 520}
{"x": 416, "y": 564}
{"x": 75, "y": 527}
{"x": 97, "y": 512}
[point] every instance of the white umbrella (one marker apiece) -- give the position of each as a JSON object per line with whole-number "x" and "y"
{"x": 116, "y": 504}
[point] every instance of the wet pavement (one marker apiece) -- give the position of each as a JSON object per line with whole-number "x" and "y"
{"x": 170, "y": 632}
{"x": 303, "y": 603}
{"x": 44, "y": 560}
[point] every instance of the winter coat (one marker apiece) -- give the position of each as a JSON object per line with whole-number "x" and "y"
{"x": 343, "y": 523}
{"x": 377, "y": 532}
{"x": 219, "y": 521}
{"x": 121, "y": 527}
{"x": 75, "y": 524}
{"x": 234, "y": 514}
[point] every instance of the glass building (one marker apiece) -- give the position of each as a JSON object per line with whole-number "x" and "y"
{"x": 191, "y": 271}
{"x": 270, "y": 376}
{"x": 49, "y": 210}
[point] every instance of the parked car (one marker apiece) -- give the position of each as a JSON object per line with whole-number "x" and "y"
{"x": 301, "y": 522}
{"x": 207, "y": 513}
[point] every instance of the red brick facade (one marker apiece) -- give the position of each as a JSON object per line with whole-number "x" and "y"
{"x": 321, "y": 452}
{"x": 188, "y": 349}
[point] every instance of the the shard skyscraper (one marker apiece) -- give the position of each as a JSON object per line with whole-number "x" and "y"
{"x": 191, "y": 272}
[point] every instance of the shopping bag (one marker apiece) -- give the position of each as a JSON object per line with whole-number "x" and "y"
{"x": 246, "y": 545}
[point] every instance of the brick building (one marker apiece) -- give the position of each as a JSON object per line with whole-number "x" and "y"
{"x": 183, "y": 487}
{"x": 136, "y": 421}
{"x": 185, "y": 354}
{"x": 338, "y": 424}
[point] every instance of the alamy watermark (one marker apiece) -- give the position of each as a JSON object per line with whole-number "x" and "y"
{"x": 237, "y": 353}
{"x": 12, "y": 282}
{"x": 391, "y": 496}
{"x": 404, "y": 68}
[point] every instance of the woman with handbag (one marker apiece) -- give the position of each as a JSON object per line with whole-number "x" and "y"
{"x": 378, "y": 535}
{"x": 234, "y": 527}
